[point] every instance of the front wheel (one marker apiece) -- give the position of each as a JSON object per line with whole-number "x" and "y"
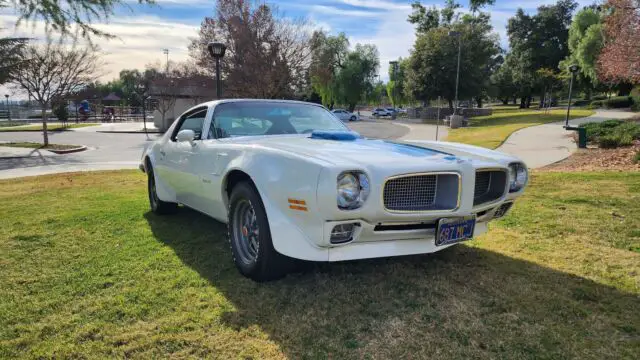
{"x": 353, "y": 118}
{"x": 157, "y": 206}
{"x": 250, "y": 236}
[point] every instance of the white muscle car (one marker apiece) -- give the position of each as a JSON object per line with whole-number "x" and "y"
{"x": 292, "y": 181}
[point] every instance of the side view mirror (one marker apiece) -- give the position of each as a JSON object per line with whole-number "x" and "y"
{"x": 186, "y": 135}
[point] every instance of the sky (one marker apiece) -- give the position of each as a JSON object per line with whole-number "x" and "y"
{"x": 142, "y": 31}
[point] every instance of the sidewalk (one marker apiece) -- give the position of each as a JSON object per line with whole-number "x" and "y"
{"x": 124, "y": 127}
{"x": 546, "y": 144}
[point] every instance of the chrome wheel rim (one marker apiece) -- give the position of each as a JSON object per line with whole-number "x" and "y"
{"x": 246, "y": 232}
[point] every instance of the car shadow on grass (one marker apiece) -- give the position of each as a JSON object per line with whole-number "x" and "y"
{"x": 460, "y": 303}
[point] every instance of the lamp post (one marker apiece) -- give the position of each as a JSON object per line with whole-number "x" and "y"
{"x": 573, "y": 69}
{"x": 8, "y": 109}
{"x": 141, "y": 90}
{"x": 217, "y": 51}
{"x": 457, "y": 34}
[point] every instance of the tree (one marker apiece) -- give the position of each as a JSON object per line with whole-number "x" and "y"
{"x": 396, "y": 84}
{"x": 538, "y": 41}
{"x": 68, "y": 17}
{"x": 12, "y": 56}
{"x": 53, "y": 72}
{"x": 340, "y": 75}
{"x": 620, "y": 57}
{"x": 432, "y": 66}
{"x": 502, "y": 85}
{"x": 267, "y": 54}
{"x": 585, "y": 44}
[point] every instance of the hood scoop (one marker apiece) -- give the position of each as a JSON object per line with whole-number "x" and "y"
{"x": 335, "y": 135}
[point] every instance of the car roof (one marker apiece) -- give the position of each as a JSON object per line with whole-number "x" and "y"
{"x": 225, "y": 101}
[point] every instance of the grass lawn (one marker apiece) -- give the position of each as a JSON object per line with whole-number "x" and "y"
{"x": 87, "y": 271}
{"x": 33, "y": 145}
{"x": 491, "y": 131}
{"x": 50, "y": 127}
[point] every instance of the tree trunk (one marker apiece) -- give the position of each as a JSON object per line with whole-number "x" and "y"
{"x": 479, "y": 102}
{"x": 515, "y": 99}
{"x": 529, "y": 98}
{"x": 523, "y": 101}
{"x": 505, "y": 101}
{"x": 44, "y": 125}
{"x": 543, "y": 97}
{"x": 450, "y": 104}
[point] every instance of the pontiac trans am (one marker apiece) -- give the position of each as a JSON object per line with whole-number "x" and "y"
{"x": 293, "y": 182}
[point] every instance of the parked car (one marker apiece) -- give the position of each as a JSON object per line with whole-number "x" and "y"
{"x": 293, "y": 182}
{"x": 381, "y": 112}
{"x": 345, "y": 115}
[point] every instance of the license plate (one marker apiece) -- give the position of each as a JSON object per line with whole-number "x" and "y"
{"x": 453, "y": 230}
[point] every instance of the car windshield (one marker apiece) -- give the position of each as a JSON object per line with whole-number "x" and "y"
{"x": 253, "y": 118}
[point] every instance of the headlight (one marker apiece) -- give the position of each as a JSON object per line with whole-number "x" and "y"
{"x": 518, "y": 176}
{"x": 353, "y": 189}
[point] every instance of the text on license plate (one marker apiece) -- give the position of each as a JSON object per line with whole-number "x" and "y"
{"x": 453, "y": 230}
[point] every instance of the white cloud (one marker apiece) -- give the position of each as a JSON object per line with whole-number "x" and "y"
{"x": 394, "y": 38}
{"x": 139, "y": 40}
{"x": 330, "y": 10}
{"x": 377, "y": 4}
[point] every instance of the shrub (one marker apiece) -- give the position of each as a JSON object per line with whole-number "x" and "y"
{"x": 600, "y": 97}
{"x": 581, "y": 102}
{"x": 596, "y": 104}
{"x": 60, "y": 111}
{"x": 619, "y": 102}
{"x": 612, "y": 133}
{"x": 636, "y": 104}
{"x": 636, "y": 158}
{"x": 609, "y": 141}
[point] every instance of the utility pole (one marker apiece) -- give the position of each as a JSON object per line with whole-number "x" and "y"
{"x": 458, "y": 35}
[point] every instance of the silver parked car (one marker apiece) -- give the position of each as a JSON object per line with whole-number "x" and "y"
{"x": 345, "y": 115}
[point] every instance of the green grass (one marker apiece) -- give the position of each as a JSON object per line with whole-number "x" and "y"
{"x": 491, "y": 131}
{"x": 50, "y": 127}
{"x": 33, "y": 145}
{"x": 88, "y": 272}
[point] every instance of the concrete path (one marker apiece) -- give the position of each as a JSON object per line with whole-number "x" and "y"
{"x": 546, "y": 144}
{"x": 124, "y": 127}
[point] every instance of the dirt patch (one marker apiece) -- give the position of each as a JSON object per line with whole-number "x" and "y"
{"x": 595, "y": 159}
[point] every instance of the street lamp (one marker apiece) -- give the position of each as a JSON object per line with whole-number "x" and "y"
{"x": 458, "y": 35}
{"x": 8, "y": 109}
{"x": 141, "y": 90}
{"x": 573, "y": 69}
{"x": 217, "y": 50}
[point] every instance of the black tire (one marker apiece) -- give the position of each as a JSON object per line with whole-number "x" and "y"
{"x": 353, "y": 118}
{"x": 158, "y": 206}
{"x": 263, "y": 263}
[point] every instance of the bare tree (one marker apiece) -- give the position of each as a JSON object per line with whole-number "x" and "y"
{"x": 267, "y": 53}
{"x": 54, "y": 71}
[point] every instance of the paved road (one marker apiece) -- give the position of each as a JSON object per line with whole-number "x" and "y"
{"x": 109, "y": 151}
{"x": 546, "y": 144}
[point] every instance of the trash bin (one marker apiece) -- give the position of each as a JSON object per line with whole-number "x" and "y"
{"x": 582, "y": 136}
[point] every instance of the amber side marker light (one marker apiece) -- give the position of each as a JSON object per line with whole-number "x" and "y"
{"x": 296, "y": 204}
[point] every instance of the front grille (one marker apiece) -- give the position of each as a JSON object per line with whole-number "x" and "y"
{"x": 483, "y": 180}
{"x": 421, "y": 192}
{"x": 490, "y": 186}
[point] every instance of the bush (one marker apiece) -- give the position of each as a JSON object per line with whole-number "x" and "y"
{"x": 636, "y": 159}
{"x": 61, "y": 112}
{"x": 596, "y": 104}
{"x": 636, "y": 104}
{"x": 581, "y": 102}
{"x": 619, "y": 102}
{"x": 612, "y": 133}
{"x": 600, "y": 97}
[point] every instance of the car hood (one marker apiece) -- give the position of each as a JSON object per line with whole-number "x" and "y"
{"x": 358, "y": 152}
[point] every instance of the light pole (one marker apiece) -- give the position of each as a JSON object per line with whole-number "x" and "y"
{"x": 457, "y": 35}
{"x": 217, "y": 50}
{"x": 141, "y": 90}
{"x": 8, "y": 109}
{"x": 394, "y": 74}
{"x": 573, "y": 69}
{"x": 166, "y": 52}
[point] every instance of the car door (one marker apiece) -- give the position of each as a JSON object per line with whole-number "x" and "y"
{"x": 182, "y": 175}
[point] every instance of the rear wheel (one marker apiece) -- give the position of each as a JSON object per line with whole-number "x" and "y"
{"x": 157, "y": 206}
{"x": 250, "y": 236}
{"x": 353, "y": 118}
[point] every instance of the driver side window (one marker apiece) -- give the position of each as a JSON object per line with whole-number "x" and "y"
{"x": 192, "y": 121}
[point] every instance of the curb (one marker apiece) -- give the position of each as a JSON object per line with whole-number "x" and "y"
{"x": 68, "y": 151}
{"x": 40, "y": 130}
{"x": 127, "y": 132}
